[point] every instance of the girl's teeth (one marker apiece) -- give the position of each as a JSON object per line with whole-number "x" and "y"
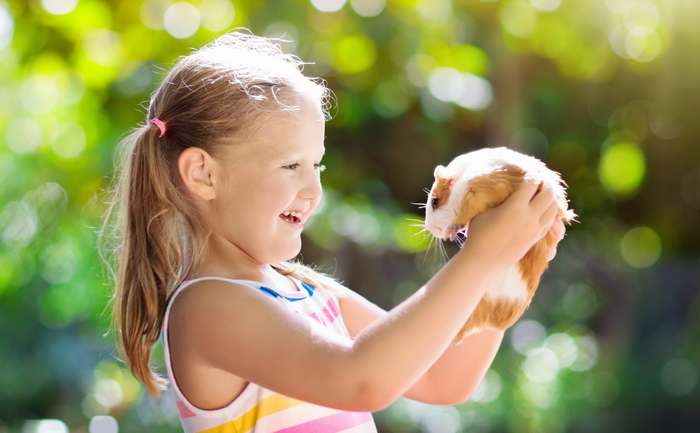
{"x": 291, "y": 216}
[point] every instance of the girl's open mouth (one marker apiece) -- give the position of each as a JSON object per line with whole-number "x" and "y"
{"x": 291, "y": 219}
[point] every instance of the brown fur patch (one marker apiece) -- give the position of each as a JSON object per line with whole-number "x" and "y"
{"x": 442, "y": 190}
{"x": 486, "y": 192}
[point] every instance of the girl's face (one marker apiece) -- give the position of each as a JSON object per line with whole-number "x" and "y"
{"x": 276, "y": 171}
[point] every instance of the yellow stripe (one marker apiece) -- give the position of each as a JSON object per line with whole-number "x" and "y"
{"x": 265, "y": 407}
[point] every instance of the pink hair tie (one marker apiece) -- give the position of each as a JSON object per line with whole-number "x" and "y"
{"x": 160, "y": 124}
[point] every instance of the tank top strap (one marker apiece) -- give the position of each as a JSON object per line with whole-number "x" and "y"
{"x": 258, "y": 285}
{"x": 293, "y": 297}
{"x": 187, "y": 283}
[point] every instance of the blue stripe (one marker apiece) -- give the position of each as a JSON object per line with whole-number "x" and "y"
{"x": 274, "y": 294}
{"x": 269, "y": 291}
{"x": 309, "y": 288}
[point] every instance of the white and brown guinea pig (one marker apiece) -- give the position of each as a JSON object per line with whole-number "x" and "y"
{"x": 472, "y": 183}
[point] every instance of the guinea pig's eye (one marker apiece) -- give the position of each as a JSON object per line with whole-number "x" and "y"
{"x": 434, "y": 203}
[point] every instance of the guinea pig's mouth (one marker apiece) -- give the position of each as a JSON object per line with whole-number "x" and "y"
{"x": 453, "y": 231}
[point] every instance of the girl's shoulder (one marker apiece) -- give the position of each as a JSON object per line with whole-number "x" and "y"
{"x": 185, "y": 327}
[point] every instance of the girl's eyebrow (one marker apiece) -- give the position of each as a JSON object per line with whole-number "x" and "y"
{"x": 294, "y": 155}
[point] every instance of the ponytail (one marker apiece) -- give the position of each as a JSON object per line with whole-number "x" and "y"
{"x": 147, "y": 240}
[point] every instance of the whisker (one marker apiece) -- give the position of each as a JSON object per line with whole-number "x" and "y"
{"x": 427, "y": 250}
{"x": 442, "y": 248}
{"x": 413, "y": 219}
{"x": 436, "y": 248}
{"x": 418, "y": 233}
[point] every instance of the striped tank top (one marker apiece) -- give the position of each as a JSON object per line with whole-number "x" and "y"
{"x": 261, "y": 410}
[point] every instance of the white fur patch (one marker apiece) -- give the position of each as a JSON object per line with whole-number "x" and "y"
{"x": 509, "y": 285}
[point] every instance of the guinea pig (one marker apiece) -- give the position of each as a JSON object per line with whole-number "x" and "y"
{"x": 472, "y": 183}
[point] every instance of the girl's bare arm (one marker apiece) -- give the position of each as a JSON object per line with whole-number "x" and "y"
{"x": 394, "y": 352}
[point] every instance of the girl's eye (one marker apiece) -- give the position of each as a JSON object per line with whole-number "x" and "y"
{"x": 321, "y": 167}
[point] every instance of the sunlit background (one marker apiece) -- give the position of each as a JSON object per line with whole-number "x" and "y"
{"x": 606, "y": 92}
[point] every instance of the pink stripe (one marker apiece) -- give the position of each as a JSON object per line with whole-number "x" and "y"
{"x": 316, "y": 318}
{"x": 334, "y": 307}
{"x": 328, "y": 311}
{"x": 328, "y": 315}
{"x": 184, "y": 411}
{"x": 330, "y": 424}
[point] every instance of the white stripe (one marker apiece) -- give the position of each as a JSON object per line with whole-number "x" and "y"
{"x": 291, "y": 416}
{"x": 365, "y": 427}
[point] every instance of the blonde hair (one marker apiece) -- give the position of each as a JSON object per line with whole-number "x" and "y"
{"x": 151, "y": 233}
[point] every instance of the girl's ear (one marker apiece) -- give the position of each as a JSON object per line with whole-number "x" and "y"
{"x": 196, "y": 169}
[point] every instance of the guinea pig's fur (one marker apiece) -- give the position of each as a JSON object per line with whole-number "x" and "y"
{"x": 472, "y": 183}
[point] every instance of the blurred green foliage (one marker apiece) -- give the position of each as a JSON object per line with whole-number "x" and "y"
{"x": 603, "y": 91}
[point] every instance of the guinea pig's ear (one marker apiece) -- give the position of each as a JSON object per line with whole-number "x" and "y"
{"x": 439, "y": 171}
{"x": 442, "y": 177}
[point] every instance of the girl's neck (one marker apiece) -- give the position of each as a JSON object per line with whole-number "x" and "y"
{"x": 270, "y": 277}
{"x": 233, "y": 272}
{"x": 224, "y": 258}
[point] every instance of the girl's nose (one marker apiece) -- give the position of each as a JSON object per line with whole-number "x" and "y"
{"x": 313, "y": 188}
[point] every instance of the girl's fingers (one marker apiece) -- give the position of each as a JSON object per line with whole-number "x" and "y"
{"x": 542, "y": 199}
{"x": 559, "y": 228}
{"x": 548, "y": 217}
{"x": 527, "y": 189}
{"x": 546, "y": 220}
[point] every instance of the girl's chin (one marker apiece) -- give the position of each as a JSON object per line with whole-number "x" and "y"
{"x": 291, "y": 252}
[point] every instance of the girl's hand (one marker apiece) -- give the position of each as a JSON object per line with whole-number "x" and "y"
{"x": 505, "y": 233}
{"x": 560, "y": 230}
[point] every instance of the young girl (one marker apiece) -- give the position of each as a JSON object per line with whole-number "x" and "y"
{"x": 212, "y": 195}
